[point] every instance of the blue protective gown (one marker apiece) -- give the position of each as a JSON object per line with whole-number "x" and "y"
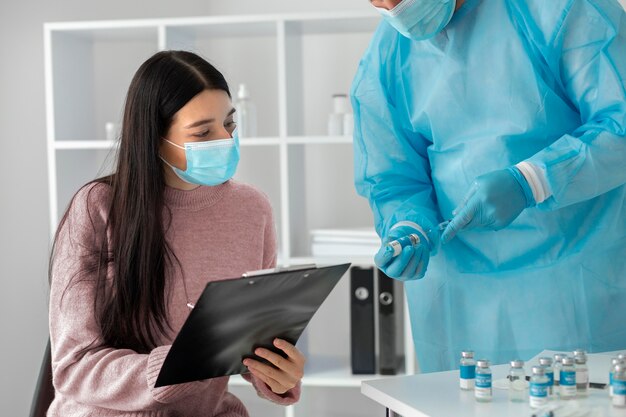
{"x": 506, "y": 81}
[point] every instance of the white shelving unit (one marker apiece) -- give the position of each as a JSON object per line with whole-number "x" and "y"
{"x": 292, "y": 65}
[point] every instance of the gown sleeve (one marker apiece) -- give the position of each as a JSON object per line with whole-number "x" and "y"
{"x": 587, "y": 54}
{"x": 391, "y": 165}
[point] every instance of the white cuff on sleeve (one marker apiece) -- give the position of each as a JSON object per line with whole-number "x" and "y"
{"x": 536, "y": 180}
{"x": 413, "y": 225}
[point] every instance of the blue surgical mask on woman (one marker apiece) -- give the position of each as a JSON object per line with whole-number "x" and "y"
{"x": 419, "y": 19}
{"x": 209, "y": 163}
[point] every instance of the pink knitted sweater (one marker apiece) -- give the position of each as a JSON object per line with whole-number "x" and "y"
{"x": 216, "y": 233}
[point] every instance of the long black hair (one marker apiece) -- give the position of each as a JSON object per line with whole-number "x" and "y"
{"x": 131, "y": 306}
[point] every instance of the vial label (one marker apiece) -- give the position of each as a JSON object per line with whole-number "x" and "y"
{"x": 619, "y": 393}
{"x": 568, "y": 384}
{"x": 568, "y": 378}
{"x": 482, "y": 393}
{"x": 466, "y": 384}
{"x": 536, "y": 402}
{"x": 468, "y": 371}
{"x": 550, "y": 383}
{"x": 610, "y": 384}
{"x": 483, "y": 386}
{"x": 538, "y": 390}
{"x": 582, "y": 380}
{"x": 483, "y": 380}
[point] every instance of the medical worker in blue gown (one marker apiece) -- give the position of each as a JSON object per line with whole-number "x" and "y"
{"x": 508, "y": 117}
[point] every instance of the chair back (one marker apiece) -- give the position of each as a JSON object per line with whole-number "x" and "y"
{"x": 44, "y": 391}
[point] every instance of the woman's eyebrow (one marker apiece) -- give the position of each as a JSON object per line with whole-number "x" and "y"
{"x": 200, "y": 123}
{"x": 207, "y": 121}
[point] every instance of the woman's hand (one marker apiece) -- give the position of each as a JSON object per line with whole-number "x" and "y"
{"x": 286, "y": 372}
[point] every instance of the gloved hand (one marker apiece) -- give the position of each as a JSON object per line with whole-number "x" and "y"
{"x": 411, "y": 263}
{"x": 493, "y": 202}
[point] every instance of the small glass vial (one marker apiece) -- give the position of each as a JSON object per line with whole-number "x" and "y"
{"x": 568, "y": 379}
{"x": 538, "y": 387}
{"x": 558, "y": 358}
{"x": 582, "y": 373}
{"x": 549, "y": 372}
{"x": 482, "y": 391}
{"x": 517, "y": 385}
{"x": 614, "y": 361}
{"x": 619, "y": 385}
{"x": 467, "y": 370}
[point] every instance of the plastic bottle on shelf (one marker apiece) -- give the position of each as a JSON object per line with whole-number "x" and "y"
{"x": 245, "y": 114}
{"x": 112, "y": 132}
{"x": 339, "y": 121}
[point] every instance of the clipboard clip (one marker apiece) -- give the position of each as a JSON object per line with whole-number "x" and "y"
{"x": 270, "y": 271}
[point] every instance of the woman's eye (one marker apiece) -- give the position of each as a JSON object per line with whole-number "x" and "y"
{"x": 232, "y": 123}
{"x": 202, "y": 134}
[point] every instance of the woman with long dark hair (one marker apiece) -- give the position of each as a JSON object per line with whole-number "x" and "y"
{"x": 134, "y": 249}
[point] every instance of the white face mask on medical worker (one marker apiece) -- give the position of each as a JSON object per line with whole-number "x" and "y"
{"x": 209, "y": 163}
{"x": 419, "y": 19}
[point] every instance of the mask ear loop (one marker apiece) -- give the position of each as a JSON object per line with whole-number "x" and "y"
{"x": 173, "y": 144}
{"x": 164, "y": 160}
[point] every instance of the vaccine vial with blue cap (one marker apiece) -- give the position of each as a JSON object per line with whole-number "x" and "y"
{"x": 467, "y": 370}
{"x": 568, "y": 379}
{"x": 482, "y": 390}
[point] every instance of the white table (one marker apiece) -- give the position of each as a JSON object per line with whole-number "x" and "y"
{"x": 438, "y": 394}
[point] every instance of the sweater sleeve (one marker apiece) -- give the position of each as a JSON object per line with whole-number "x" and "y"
{"x": 269, "y": 241}
{"x": 118, "y": 379}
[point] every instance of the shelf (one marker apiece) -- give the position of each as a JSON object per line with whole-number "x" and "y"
{"x": 108, "y": 30}
{"x": 337, "y": 24}
{"x": 318, "y": 140}
{"x": 265, "y": 141}
{"x": 107, "y": 144}
{"x": 325, "y": 22}
{"x": 223, "y": 29}
{"x": 326, "y": 376}
{"x": 84, "y": 144}
{"x": 260, "y": 141}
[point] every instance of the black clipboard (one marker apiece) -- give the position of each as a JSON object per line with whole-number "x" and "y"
{"x": 234, "y": 317}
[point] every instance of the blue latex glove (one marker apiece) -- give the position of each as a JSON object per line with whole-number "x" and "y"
{"x": 493, "y": 202}
{"x": 411, "y": 264}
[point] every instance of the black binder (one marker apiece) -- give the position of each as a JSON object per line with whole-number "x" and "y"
{"x": 390, "y": 324}
{"x": 363, "y": 348}
{"x": 234, "y": 317}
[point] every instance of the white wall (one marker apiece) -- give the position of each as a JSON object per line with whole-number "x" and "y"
{"x": 24, "y": 241}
